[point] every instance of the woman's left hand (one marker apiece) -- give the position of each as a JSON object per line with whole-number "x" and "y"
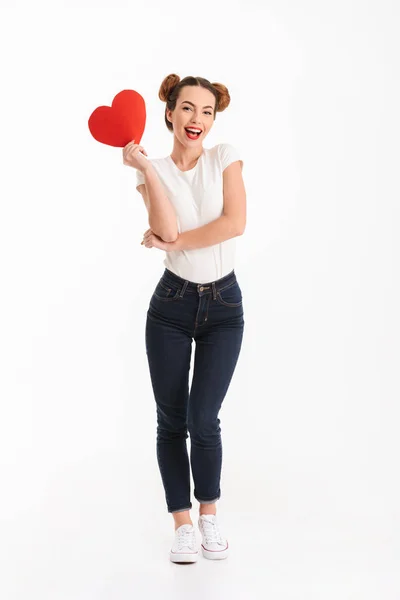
{"x": 151, "y": 240}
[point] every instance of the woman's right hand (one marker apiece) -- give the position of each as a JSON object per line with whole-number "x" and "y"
{"x": 132, "y": 157}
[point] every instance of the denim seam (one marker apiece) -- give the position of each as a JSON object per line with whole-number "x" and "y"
{"x": 229, "y": 305}
{"x": 227, "y": 286}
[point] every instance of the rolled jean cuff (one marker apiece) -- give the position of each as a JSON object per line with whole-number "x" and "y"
{"x": 208, "y": 501}
{"x": 181, "y": 509}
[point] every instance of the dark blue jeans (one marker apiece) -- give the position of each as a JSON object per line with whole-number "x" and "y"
{"x": 212, "y": 315}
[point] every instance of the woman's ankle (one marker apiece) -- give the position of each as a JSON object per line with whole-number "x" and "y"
{"x": 182, "y": 518}
{"x": 208, "y": 509}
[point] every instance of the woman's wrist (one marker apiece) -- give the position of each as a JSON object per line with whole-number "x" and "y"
{"x": 148, "y": 169}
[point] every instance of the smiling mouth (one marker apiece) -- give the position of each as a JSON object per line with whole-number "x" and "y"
{"x": 191, "y": 135}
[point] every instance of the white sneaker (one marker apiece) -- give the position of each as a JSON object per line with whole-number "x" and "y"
{"x": 184, "y": 548}
{"x": 214, "y": 545}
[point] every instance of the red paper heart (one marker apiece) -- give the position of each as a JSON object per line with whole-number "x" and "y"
{"x": 121, "y": 123}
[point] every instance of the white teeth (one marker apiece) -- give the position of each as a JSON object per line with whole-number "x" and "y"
{"x": 193, "y": 130}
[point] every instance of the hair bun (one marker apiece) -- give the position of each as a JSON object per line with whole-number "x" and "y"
{"x": 223, "y": 96}
{"x": 167, "y": 85}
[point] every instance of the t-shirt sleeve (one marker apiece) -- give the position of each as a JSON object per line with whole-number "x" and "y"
{"x": 139, "y": 178}
{"x": 227, "y": 155}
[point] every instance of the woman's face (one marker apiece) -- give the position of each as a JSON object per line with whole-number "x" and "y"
{"x": 194, "y": 109}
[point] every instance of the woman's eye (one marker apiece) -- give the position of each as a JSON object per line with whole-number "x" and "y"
{"x": 207, "y": 111}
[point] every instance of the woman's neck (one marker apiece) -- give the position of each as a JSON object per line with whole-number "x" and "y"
{"x": 185, "y": 158}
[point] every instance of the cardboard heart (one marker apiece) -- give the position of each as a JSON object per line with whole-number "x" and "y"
{"x": 120, "y": 123}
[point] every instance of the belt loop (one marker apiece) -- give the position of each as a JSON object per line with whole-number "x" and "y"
{"x": 214, "y": 290}
{"x": 183, "y": 290}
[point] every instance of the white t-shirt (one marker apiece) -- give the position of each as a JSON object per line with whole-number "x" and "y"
{"x": 197, "y": 196}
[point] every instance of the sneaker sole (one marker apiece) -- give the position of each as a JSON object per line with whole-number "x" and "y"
{"x": 185, "y": 558}
{"x": 215, "y": 554}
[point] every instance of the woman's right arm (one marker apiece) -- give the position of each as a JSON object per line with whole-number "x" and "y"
{"x": 162, "y": 216}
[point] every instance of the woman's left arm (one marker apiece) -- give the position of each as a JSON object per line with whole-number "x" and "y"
{"x": 230, "y": 224}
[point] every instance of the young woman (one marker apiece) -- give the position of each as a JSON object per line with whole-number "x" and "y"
{"x": 196, "y": 202}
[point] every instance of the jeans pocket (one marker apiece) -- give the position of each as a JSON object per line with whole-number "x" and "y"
{"x": 165, "y": 293}
{"x": 230, "y": 296}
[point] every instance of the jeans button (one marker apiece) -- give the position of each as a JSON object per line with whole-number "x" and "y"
{"x": 201, "y": 289}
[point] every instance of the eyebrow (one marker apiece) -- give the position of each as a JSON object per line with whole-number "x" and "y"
{"x": 188, "y": 102}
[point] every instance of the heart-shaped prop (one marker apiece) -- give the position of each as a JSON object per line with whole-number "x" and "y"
{"x": 120, "y": 123}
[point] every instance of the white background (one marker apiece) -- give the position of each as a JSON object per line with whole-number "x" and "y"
{"x": 310, "y": 484}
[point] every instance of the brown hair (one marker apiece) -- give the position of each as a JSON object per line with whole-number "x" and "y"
{"x": 172, "y": 85}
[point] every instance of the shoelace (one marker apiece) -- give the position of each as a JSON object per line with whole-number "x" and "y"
{"x": 186, "y": 539}
{"x": 211, "y": 533}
